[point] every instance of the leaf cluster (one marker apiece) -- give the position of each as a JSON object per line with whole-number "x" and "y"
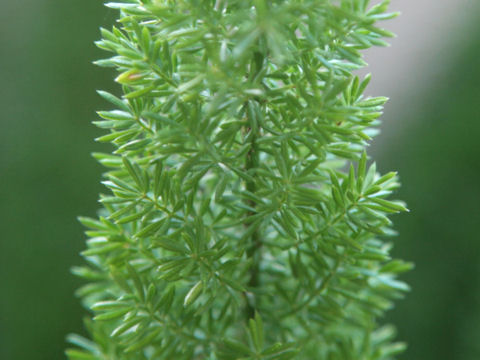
{"x": 241, "y": 219}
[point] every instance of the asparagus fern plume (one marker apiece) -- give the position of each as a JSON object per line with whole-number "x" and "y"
{"x": 241, "y": 219}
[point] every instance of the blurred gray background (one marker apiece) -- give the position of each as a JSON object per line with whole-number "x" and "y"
{"x": 47, "y": 177}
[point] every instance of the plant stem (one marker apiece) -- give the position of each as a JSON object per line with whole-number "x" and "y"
{"x": 254, "y": 247}
{"x": 252, "y": 162}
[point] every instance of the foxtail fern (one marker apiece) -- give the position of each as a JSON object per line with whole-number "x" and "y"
{"x": 241, "y": 220}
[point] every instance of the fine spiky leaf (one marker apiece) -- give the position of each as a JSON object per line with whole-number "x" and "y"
{"x": 242, "y": 219}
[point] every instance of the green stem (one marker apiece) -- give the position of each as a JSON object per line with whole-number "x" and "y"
{"x": 252, "y": 162}
{"x": 254, "y": 247}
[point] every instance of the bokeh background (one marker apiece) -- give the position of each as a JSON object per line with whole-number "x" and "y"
{"x": 430, "y": 134}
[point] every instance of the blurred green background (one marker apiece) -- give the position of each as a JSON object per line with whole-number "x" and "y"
{"x": 437, "y": 154}
{"x": 47, "y": 179}
{"x": 47, "y": 176}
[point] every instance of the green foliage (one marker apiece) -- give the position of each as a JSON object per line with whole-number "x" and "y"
{"x": 237, "y": 225}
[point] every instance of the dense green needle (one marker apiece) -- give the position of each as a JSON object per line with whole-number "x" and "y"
{"x": 241, "y": 220}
